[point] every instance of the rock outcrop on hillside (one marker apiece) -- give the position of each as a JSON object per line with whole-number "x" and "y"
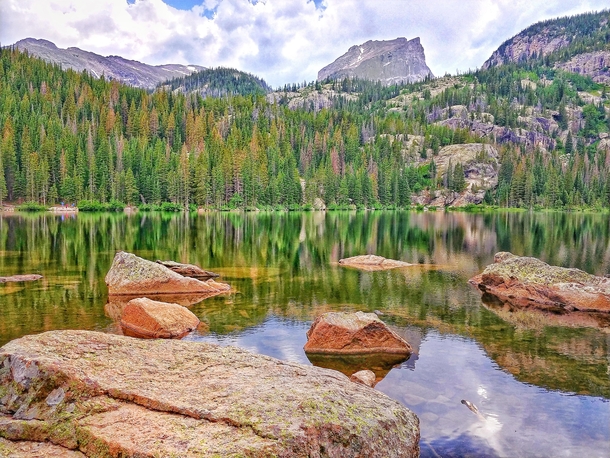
{"x": 108, "y": 396}
{"x": 596, "y": 65}
{"x": 391, "y": 62}
{"x": 530, "y": 282}
{"x": 524, "y": 46}
{"x": 130, "y": 72}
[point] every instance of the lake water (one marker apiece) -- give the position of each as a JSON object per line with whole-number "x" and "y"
{"x": 541, "y": 382}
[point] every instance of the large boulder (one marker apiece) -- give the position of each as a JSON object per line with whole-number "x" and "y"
{"x": 530, "y": 282}
{"x": 371, "y": 262}
{"x": 357, "y": 333}
{"x": 188, "y": 270}
{"x": 110, "y": 396}
{"x": 150, "y": 319}
{"x": 130, "y": 274}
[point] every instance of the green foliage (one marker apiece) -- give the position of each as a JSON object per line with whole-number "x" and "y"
{"x": 96, "y": 206}
{"x": 219, "y": 82}
{"x": 31, "y": 207}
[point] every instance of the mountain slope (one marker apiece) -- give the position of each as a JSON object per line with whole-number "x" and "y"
{"x": 579, "y": 44}
{"x": 130, "y": 72}
{"x": 391, "y": 62}
{"x": 218, "y": 82}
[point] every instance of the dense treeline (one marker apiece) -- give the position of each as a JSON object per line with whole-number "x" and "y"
{"x": 68, "y": 137}
{"x": 218, "y": 82}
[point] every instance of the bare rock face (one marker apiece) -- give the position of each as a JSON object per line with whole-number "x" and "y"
{"x": 126, "y": 71}
{"x": 596, "y": 65}
{"x": 131, "y": 275}
{"x": 107, "y": 396}
{"x": 365, "y": 377}
{"x": 372, "y": 262}
{"x": 19, "y": 278}
{"x": 353, "y": 333}
{"x": 188, "y": 270}
{"x": 391, "y": 62}
{"x": 157, "y": 320}
{"x": 530, "y": 282}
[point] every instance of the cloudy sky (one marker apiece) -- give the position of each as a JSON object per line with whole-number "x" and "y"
{"x": 283, "y": 41}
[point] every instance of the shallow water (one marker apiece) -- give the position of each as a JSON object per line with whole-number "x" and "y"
{"x": 540, "y": 382}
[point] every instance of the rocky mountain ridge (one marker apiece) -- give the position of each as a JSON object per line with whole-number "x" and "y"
{"x": 130, "y": 72}
{"x": 391, "y": 62}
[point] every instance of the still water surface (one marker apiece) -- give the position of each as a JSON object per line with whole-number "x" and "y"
{"x": 541, "y": 382}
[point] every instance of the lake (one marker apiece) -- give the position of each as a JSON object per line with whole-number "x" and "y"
{"x": 541, "y": 382}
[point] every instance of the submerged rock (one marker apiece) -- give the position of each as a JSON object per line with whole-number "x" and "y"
{"x": 130, "y": 274}
{"x": 365, "y": 377}
{"x": 530, "y": 282}
{"x": 153, "y": 320}
{"x": 18, "y": 278}
{"x": 188, "y": 270}
{"x": 109, "y": 395}
{"x": 372, "y": 262}
{"x": 353, "y": 333}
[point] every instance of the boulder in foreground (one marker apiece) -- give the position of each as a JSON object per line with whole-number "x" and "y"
{"x": 109, "y": 396}
{"x": 372, "y": 262}
{"x": 353, "y": 333}
{"x": 530, "y": 282}
{"x": 150, "y": 319}
{"x": 188, "y": 270}
{"x": 130, "y": 274}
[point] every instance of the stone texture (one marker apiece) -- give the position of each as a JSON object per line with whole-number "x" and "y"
{"x": 188, "y": 270}
{"x": 132, "y": 397}
{"x": 28, "y": 449}
{"x": 153, "y": 320}
{"x": 131, "y": 275}
{"x": 391, "y": 62}
{"x": 365, "y": 377}
{"x": 530, "y": 282}
{"x": 595, "y": 65}
{"x": 372, "y": 262}
{"x": 18, "y": 278}
{"x": 353, "y": 333}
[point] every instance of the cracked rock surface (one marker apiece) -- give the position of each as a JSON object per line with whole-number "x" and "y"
{"x": 105, "y": 396}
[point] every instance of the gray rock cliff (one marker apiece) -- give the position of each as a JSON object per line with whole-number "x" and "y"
{"x": 391, "y": 62}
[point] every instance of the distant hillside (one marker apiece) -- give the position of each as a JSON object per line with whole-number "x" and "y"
{"x": 218, "y": 82}
{"x": 579, "y": 44}
{"x": 130, "y": 72}
{"x": 391, "y": 62}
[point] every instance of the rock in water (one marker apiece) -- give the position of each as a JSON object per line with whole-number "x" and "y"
{"x": 110, "y": 396}
{"x": 153, "y": 320}
{"x": 371, "y": 262}
{"x": 130, "y": 274}
{"x": 19, "y": 278}
{"x": 365, "y": 377}
{"x": 391, "y": 62}
{"x": 353, "y": 333}
{"x": 188, "y": 270}
{"x": 525, "y": 282}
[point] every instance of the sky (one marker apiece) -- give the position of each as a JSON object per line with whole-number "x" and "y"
{"x": 282, "y": 41}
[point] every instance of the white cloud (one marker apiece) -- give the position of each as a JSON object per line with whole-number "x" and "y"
{"x": 283, "y": 41}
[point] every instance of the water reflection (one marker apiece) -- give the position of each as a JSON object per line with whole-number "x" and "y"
{"x": 544, "y": 376}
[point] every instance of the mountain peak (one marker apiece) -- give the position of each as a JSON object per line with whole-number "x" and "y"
{"x": 389, "y": 61}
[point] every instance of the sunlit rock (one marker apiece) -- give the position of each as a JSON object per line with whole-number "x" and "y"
{"x": 132, "y": 397}
{"x": 353, "y": 333}
{"x": 130, "y": 274}
{"x": 530, "y": 282}
{"x": 364, "y": 377}
{"x": 188, "y": 270}
{"x": 153, "y": 320}
{"x": 372, "y": 262}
